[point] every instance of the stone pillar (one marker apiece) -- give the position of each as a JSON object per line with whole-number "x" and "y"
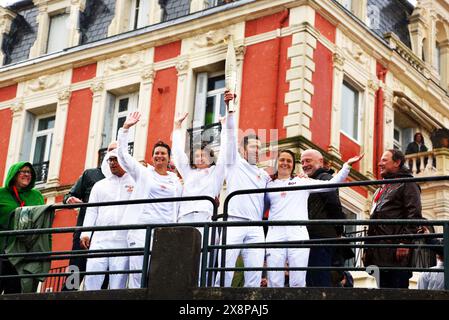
{"x": 155, "y": 12}
{"x": 388, "y": 119}
{"x": 96, "y": 123}
{"x": 58, "y": 138}
{"x": 299, "y": 76}
{"x": 6, "y": 18}
{"x": 334, "y": 147}
{"x": 146, "y": 88}
{"x": 76, "y": 7}
{"x": 43, "y": 23}
{"x": 367, "y": 125}
{"x": 184, "y": 73}
{"x": 16, "y": 135}
{"x": 175, "y": 262}
{"x": 120, "y": 22}
{"x": 417, "y": 28}
{"x": 444, "y": 64}
{"x": 197, "y": 5}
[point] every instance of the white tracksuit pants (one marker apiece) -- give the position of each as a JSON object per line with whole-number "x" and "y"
{"x": 136, "y": 239}
{"x": 297, "y": 257}
{"x": 252, "y": 258}
{"x": 116, "y": 281}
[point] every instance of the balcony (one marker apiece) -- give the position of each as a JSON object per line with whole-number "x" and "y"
{"x": 41, "y": 171}
{"x": 422, "y": 164}
{"x": 102, "y": 152}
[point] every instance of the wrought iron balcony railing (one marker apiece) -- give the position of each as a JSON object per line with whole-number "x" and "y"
{"x": 41, "y": 171}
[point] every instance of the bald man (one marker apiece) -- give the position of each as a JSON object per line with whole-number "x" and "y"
{"x": 324, "y": 205}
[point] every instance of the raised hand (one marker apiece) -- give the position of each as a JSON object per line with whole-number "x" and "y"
{"x": 228, "y": 96}
{"x": 131, "y": 119}
{"x": 355, "y": 159}
{"x": 179, "y": 120}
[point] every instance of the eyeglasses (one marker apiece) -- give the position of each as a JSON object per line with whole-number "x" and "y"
{"x": 111, "y": 160}
{"x": 25, "y": 172}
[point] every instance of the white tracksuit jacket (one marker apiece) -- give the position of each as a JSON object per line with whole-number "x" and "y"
{"x": 292, "y": 205}
{"x": 112, "y": 188}
{"x": 149, "y": 185}
{"x": 198, "y": 182}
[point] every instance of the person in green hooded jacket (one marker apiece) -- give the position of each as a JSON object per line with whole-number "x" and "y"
{"x": 18, "y": 191}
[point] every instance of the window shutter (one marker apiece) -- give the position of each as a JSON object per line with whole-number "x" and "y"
{"x": 200, "y": 100}
{"x": 27, "y": 139}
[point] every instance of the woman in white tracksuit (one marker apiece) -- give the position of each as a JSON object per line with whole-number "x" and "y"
{"x": 118, "y": 185}
{"x": 292, "y": 205}
{"x": 152, "y": 182}
{"x": 202, "y": 178}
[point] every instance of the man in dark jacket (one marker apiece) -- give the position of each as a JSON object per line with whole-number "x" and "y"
{"x": 393, "y": 201}
{"x": 79, "y": 193}
{"x": 324, "y": 205}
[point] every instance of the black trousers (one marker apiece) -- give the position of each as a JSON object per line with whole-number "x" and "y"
{"x": 9, "y": 285}
{"x": 395, "y": 279}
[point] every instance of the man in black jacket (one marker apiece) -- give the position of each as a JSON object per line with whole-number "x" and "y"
{"x": 393, "y": 201}
{"x": 79, "y": 193}
{"x": 324, "y": 205}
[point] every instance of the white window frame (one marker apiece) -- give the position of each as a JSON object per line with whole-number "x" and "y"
{"x": 52, "y": 36}
{"x": 397, "y": 143}
{"x": 348, "y": 4}
{"x": 142, "y": 18}
{"x": 36, "y": 134}
{"x": 201, "y": 96}
{"x": 359, "y": 105}
{"x": 132, "y": 106}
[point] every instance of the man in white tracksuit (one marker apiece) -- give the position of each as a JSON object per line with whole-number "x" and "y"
{"x": 243, "y": 173}
{"x": 117, "y": 185}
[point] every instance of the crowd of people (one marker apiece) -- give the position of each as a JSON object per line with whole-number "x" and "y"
{"x": 122, "y": 177}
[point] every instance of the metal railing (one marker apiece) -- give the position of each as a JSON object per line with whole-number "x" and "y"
{"x": 41, "y": 171}
{"x": 63, "y": 255}
{"x": 209, "y": 265}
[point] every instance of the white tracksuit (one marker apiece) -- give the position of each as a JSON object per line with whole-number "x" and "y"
{"x": 242, "y": 175}
{"x": 112, "y": 188}
{"x": 149, "y": 185}
{"x": 291, "y": 205}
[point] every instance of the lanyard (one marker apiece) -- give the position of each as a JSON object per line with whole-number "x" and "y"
{"x": 16, "y": 194}
{"x": 381, "y": 191}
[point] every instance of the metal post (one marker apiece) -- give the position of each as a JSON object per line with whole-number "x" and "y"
{"x": 146, "y": 258}
{"x": 204, "y": 255}
{"x": 446, "y": 255}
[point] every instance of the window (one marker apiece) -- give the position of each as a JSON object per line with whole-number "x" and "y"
{"x": 402, "y": 137}
{"x": 350, "y": 113}
{"x": 41, "y": 148}
{"x": 123, "y": 106}
{"x": 209, "y": 99}
{"x": 57, "y": 33}
{"x": 118, "y": 109}
{"x": 139, "y": 14}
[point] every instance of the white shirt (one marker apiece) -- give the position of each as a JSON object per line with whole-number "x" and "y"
{"x": 198, "y": 182}
{"x": 241, "y": 175}
{"x": 112, "y": 188}
{"x": 292, "y": 205}
{"x": 149, "y": 185}
{"x": 432, "y": 280}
